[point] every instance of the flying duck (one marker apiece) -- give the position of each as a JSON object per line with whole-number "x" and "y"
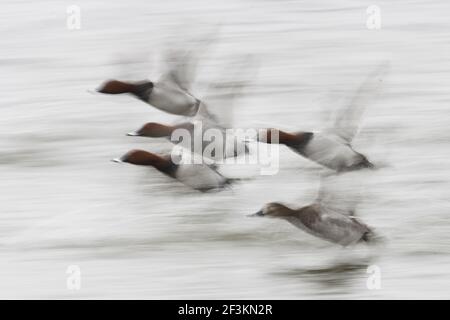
{"x": 212, "y": 121}
{"x": 170, "y": 93}
{"x": 332, "y": 147}
{"x": 201, "y": 177}
{"x": 320, "y": 221}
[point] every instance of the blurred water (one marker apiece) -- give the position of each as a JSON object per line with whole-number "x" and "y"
{"x": 137, "y": 234}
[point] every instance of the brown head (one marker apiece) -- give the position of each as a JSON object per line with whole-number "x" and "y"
{"x": 274, "y": 210}
{"x": 276, "y": 136}
{"x": 154, "y": 130}
{"x": 144, "y": 158}
{"x": 116, "y": 87}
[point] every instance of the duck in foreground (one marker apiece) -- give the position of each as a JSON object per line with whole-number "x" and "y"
{"x": 319, "y": 221}
{"x": 197, "y": 176}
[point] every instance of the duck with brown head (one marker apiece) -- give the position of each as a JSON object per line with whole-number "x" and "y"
{"x": 170, "y": 92}
{"x": 322, "y": 148}
{"x": 332, "y": 147}
{"x": 331, "y": 216}
{"x": 162, "y": 94}
{"x": 197, "y": 176}
{"x": 206, "y": 134}
{"x": 319, "y": 221}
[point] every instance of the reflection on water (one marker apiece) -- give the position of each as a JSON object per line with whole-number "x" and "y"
{"x": 337, "y": 276}
{"x": 135, "y": 233}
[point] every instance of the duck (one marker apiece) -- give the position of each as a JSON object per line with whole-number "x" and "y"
{"x": 324, "y": 148}
{"x": 332, "y": 147}
{"x": 332, "y": 215}
{"x": 169, "y": 93}
{"x": 163, "y": 95}
{"x": 333, "y": 226}
{"x": 213, "y": 121}
{"x": 216, "y": 142}
{"x": 201, "y": 177}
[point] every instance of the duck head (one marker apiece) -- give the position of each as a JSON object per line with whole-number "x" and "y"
{"x": 144, "y": 158}
{"x": 153, "y": 129}
{"x": 115, "y": 87}
{"x": 275, "y": 136}
{"x": 273, "y": 210}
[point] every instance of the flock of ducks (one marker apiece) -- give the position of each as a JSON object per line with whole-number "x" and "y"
{"x": 330, "y": 148}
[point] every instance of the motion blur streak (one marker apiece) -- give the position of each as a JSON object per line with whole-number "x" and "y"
{"x": 134, "y": 233}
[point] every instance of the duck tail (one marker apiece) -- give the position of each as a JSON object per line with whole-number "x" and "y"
{"x": 231, "y": 181}
{"x": 371, "y": 238}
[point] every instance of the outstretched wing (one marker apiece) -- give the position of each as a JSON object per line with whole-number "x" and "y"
{"x": 180, "y": 69}
{"x": 340, "y": 193}
{"x": 181, "y": 59}
{"x": 217, "y": 104}
{"x": 348, "y": 118}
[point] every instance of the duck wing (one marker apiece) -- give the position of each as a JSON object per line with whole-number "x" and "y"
{"x": 200, "y": 176}
{"x": 181, "y": 57}
{"x": 339, "y": 194}
{"x": 339, "y": 228}
{"x": 327, "y": 225}
{"x": 348, "y": 117}
{"x": 180, "y": 69}
{"x": 217, "y": 104}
